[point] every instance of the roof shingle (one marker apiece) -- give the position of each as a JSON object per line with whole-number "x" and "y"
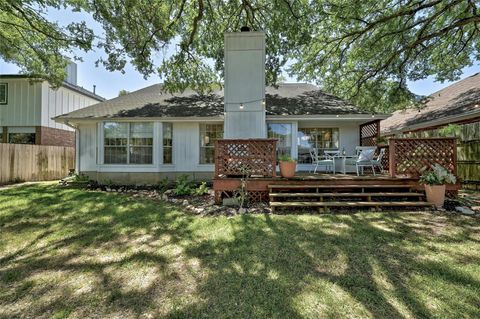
{"x": 152, "y": 101}
{"x": 456, "y": 99}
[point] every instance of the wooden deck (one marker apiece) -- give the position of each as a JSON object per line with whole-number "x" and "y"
{"x": 324, "y": 191}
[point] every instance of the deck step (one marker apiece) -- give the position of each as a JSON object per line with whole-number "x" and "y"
{"x": 349, "y": 204}
{"x": 399, "y": 194}
{"x": 337, "y": 186}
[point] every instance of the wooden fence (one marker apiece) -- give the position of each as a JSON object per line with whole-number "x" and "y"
{"x": 238, "y": 157}
{"x": 21, "y": 162}
{"x": 409, "y": 156}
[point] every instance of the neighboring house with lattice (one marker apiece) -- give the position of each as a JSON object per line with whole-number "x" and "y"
{"x": 457, "y": 104}
{"x": 28, "y": 105}
{"x": 149, "y": 134}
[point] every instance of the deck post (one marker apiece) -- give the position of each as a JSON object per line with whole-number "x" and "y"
{"x": 391, "y": 157}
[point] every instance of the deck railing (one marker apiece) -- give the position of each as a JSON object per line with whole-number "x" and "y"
{"x": 239, "y": 157}
{"x": 409, "y": 156}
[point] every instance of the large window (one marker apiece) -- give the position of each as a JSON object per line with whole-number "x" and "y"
{"x": 21, "y": 138}
{"x": 128, "y": 143}
{"x": 283, "y": 133}
{"x": 319, "y": 138}
{"x": 167, "y": 143}
{"x": 3, "y": 93}
{"x": 209, "y": 133}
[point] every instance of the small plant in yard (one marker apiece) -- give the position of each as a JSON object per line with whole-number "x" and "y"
{"x": 183, "y": 186}
{"x": 241, "y": 194}
{"x": 201, "y": 190}
{"x": 163, "y": 184}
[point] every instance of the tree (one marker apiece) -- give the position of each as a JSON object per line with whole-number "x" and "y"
{"x": 122, "y": 92}
{"x": 365, "y": 51}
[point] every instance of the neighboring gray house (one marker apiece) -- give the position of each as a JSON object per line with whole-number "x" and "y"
{"x": 27, "y": 107}
{"x": 148, "y": 134}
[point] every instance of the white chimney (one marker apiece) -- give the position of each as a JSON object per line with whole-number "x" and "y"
{"x": 245, "y": 85}
{"x": 71, "y": 70}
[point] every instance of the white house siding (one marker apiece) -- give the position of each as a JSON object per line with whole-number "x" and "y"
{"x": 60, "y": 101}
{"x": 87, "y": 151}
{"x": 186, "y": 150}
{"x": 24, "y": 103}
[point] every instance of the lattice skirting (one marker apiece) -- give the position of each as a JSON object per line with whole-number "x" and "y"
{"x": 253, "y": 196}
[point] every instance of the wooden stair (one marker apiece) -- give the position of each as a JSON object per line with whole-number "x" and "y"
{"x": 326, "y": 195}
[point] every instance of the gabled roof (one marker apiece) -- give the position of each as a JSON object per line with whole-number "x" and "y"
{"x": 152, "y": 101}
{"x": 459, "y": 99}
{"x": 73, "y": 87}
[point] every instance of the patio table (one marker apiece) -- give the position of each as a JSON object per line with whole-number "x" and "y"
{"x": 344, "y": 161}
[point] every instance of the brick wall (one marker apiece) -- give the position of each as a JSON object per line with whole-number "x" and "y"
{"x": 54, "y": 136}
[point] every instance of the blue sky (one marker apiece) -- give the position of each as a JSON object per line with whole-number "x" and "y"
{"x": 110, "y": 83}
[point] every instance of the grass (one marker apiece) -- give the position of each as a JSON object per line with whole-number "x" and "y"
{"x": 68, "y": 253}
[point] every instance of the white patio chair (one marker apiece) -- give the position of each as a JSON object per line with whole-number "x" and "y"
{"x": 377, "y": 162}
{"x": 318, "y": 161}
{"x": 365, "y": 158}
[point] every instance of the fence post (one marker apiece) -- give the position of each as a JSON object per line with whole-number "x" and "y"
{"x": 391, "y": 157}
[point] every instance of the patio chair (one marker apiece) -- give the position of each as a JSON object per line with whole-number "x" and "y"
{"x": 365, "y": 158}
{"x": 377, "y": 162}
{"x": 327, "y": 161}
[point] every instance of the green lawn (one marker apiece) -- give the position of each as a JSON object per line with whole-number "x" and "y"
{"x": 73, "y": 254}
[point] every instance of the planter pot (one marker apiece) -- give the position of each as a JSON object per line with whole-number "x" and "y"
{"x": 287, "y": 169}
{"x": 435, "y": 194}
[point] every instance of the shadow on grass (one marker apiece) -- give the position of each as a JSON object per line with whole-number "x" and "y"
{"x": 144, "y": 258}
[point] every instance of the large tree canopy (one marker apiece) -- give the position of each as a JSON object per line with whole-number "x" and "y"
{"x": 364, "y": 51}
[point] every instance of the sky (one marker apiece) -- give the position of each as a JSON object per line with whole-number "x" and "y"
{"x": 108, "y": 84}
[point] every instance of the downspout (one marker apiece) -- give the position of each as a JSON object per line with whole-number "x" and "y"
{"x": 77, "y": 145}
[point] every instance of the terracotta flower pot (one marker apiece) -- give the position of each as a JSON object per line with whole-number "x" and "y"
{"x": 435, "y": 194}
{"x": 287, "y": 169}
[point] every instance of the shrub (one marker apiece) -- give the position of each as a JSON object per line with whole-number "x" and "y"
{"x": 183, "y": 186}
{"x": 201, "y": 190}
{"x": 163, "y": 184}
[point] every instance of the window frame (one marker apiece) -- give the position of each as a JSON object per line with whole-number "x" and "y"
{"x": 128, "y": 144}
{"x": 200, "y": 147}
{"x": 5, "y": 85}
{"x": 317, "y": 128}
{"x": 292, "y": 137}
{"x": 163, "y": 143}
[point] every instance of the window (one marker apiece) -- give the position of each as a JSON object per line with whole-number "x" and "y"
{"x": 3, "y": 93}
{"x": 209, "y": 133}
{"x": 283, "y": 133}
{"x": 128, "y": 143}
{"x": 21, "y": 138}
{"x": 167, "y": 143}
{"x": 320, "y": 138}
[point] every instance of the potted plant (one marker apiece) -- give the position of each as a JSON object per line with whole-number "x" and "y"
{"x": 288, "y": 166}
{"x": 434, "y": 182}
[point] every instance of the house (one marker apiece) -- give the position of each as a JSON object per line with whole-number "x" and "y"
{"x": 149, "y": 134}
{"x": 27, "y": 106}
{"x": 458, "y": 104}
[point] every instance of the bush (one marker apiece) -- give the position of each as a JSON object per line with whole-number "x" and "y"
{"x": 163, "y": 184}
{"x": 201, "y": 190}
{"x": 183, "y": 186}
